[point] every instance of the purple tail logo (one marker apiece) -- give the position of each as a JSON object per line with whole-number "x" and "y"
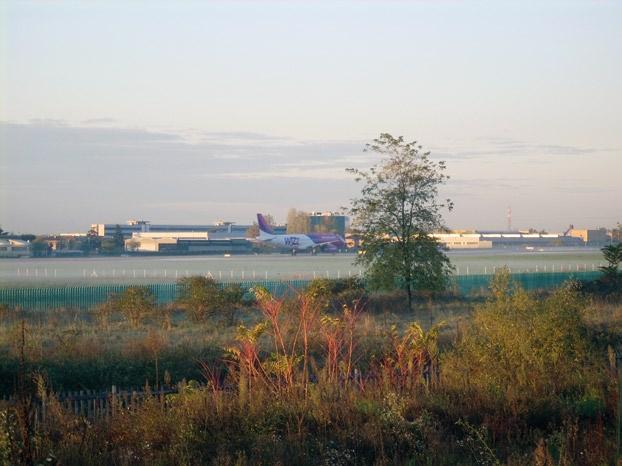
{"x": 263, "y": 226}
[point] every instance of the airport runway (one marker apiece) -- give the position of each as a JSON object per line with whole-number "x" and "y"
{"x": 150, "y": 269}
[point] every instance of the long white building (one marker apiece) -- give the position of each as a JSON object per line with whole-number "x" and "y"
{"x": 14, "y": 248}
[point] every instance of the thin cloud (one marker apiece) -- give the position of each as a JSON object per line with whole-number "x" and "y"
{"x": 310, "y": 173}
{"x": 240, "y": 136}
{"x": 99, "y": 121}
{"x": 509, "y": 148}
{"x": 99, "y": 173}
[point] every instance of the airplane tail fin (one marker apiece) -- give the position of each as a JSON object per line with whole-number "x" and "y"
{"x": 263, "y": 225}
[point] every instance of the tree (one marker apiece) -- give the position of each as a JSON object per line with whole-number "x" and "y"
{"x": 135, "y": 302}
{"x": 114, "y": 245}
{"x": 119, "y": 239}
{"x": 91, "y": 243}
{"x": 396, "y": 213}
{"x": 40, "y": 247}
{"x": 297, "y": 221}
{"x": 613, "y": 256}
{"x": 253, "y": 230}
{"x": 108, "y": 246}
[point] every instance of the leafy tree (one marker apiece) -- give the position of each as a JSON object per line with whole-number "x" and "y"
{"x": 396, "y": 213}
{"x": 114, "y": 245}
{"x": 108, "y": 246}
{"x": 40, "y": 247}
{"x": 136, "y": 303}
{"x": 91, "y": 243}
{"x": 232, "y": 298}
{"x": 613, "y": 256}
{"x": 297, "y": 221}
{"x": 119, "y": 240}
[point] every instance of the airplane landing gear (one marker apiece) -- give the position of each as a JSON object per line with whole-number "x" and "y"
{"x": 293, "y": 252}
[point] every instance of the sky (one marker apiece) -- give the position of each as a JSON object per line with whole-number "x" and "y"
{"x": 190, "y": 112}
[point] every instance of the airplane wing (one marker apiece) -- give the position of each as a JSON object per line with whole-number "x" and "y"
{"x": 327, "y": 242}
{"x": 260, "y": 240}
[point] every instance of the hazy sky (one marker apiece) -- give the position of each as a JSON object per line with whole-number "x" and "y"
{"x": 195, "y": 111}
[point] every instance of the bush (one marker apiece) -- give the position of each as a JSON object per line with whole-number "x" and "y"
{"x": 135, "y": 303}
{"x": 522, "y": 357}
{"x": 335, "y": 293}
{"x": 202, "y": 297}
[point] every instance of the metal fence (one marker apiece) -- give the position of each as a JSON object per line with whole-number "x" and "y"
{"x": 86, "y": 296}
{"x": 469, "y": 284}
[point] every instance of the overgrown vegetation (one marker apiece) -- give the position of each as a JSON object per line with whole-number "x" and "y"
{"x": 327, "y": 376}
{"x": 202, "y": 297}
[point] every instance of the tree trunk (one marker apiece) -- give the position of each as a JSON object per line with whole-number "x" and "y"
{"x": 409, "y": 292}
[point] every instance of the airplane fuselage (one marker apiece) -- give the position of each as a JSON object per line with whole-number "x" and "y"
{"x": 297, "y": 241}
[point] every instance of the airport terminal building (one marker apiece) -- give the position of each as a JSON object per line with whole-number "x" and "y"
{"x": 181, "y": 242}
{"x": 227, "y": 237}
{"x": 505, "y": 239}
{"x": 149, "y": 238}
{"x": 219, "y": 230}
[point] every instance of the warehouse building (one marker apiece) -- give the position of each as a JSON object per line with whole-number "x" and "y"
{"x": 462, "y": 241}
{"x": 14, "y": 248}
{"x": 219, "y": 230}
{"x": 180, "y": 242}
{"x": 501, "y": 239}
{"x": 598, "y": 237}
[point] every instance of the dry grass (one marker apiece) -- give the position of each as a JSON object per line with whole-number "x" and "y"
{"x": 515, "y": 380}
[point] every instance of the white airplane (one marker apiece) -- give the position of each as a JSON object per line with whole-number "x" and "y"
{"x": 298, "y": 242}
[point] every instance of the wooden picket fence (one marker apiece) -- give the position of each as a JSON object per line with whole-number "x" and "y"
{"x": 92, "y": 404}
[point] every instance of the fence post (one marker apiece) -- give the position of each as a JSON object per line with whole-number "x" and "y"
{"x": 113, "y": 400}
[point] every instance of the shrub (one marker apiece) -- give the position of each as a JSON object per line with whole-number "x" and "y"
{"x": 335, "y": 293}
{"x": 200, "y": 296}
{"x": 523, "y": 357}
{"x": 135, "y": 303}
